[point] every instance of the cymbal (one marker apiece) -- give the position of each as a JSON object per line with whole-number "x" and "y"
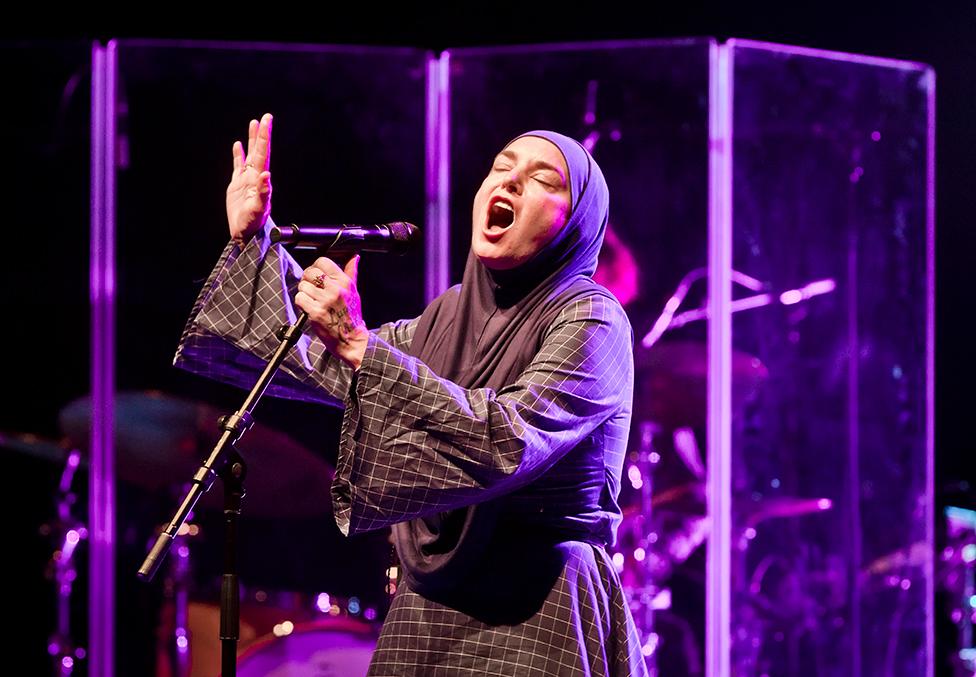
{"x": 160, "y": 442}
{"x": 756, "y": 512}
{"x": 782, "y": 506}
{"x": 34, "y": 445}
{"x": 672, "y": 378}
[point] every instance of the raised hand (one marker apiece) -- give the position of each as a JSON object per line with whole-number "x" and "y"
{"x": 249, "y": 190}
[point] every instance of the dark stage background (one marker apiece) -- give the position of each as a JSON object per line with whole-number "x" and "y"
{"x": 45, "y": 188}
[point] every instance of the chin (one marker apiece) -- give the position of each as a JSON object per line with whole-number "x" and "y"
{"x": 494, "y": 262}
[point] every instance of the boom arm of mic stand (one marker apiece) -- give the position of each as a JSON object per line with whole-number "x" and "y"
{"x": 234, "y": 427}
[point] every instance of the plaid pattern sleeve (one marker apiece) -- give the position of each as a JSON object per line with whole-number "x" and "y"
{"x": 413, "y": 444}
{"x": 231, "y": 333}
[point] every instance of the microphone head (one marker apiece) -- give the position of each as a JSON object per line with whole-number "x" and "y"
{"x": 404, "y": 234}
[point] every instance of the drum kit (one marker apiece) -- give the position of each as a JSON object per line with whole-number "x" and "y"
{"x": 659, "y": 553}
{"x": 664, "y": 499}
{"x": 159, "y": 440}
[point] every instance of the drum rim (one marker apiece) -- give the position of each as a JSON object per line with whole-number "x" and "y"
{"x": 355, "y": 626}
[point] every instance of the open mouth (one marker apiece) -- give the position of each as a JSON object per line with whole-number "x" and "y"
{"x": 501, "y": 215}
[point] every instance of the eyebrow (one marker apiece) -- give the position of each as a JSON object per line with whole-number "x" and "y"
{"x": 512, "y": 155}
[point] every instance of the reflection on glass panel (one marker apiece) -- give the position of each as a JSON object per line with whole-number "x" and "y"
{"x": 341, "y": 153}
{"x": 642, "y": 110}
{"x": 829, "y": 448}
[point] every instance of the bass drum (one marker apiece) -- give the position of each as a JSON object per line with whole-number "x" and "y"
{"x": 337, "y": 647}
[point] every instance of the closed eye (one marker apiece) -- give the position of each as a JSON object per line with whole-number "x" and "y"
{"x": 549, "y": 180}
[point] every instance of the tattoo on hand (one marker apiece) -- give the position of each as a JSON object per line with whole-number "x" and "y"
{"x": 339, "y": 324}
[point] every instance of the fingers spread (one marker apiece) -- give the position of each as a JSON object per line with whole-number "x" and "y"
{"x": 262, "y": 146}
{"x": 238, "y": 151}
{"x": 252, "y": 135}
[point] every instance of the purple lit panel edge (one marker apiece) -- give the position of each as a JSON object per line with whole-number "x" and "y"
{"x": 581, "y": 46}
{"x": 930, "y": 375}
{"x": 101, "y": 640}
{"x": 826, "y": 54}
{"x": 718, "y": 576}
{"x": 437, "y": 185}
{"x": 264, "y": 46}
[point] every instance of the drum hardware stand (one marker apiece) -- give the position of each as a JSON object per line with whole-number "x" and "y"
{"x": 225, "y": 462}
{"x": 647, "y": 461}
{"x": 175, "y": 639}
{"x": 69, "y": 532}
{"x": 667, "y": 320}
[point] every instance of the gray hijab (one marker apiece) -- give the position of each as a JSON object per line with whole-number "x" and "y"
{"x": 486, "y": 334}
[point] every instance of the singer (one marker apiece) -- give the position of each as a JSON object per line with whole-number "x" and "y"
{"x": 489, "y": 432}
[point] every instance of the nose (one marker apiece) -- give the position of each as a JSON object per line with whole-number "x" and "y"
{"x": 513, "y": 183}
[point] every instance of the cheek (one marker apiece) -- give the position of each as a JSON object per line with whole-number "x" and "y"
{"x": 480, "y": 200}
{"x": 560, "y": 214}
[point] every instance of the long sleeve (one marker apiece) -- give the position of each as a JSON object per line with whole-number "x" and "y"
{"x": 414, "y": 444}
{"x": 231, "y": 332}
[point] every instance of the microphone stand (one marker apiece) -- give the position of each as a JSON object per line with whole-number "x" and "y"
{"x": 225, "y": 462}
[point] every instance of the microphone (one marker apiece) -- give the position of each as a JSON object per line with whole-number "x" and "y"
{"x": 396, "y": 237}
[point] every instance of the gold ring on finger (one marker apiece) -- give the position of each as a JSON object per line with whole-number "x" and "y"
{"x": 320, "y": 281}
